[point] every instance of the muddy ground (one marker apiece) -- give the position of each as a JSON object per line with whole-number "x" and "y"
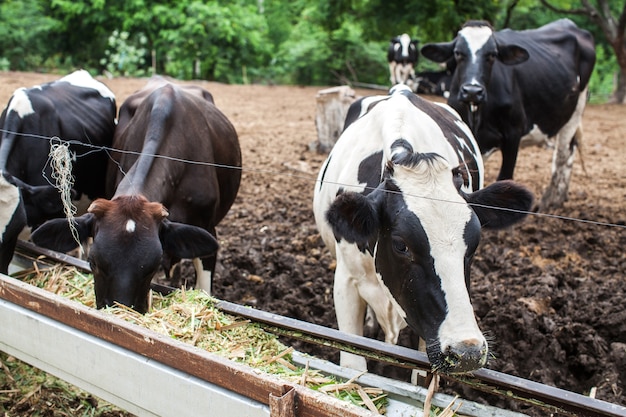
{"x": 549, "y": 292}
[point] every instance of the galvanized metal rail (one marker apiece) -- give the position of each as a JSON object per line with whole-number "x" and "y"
{"x": 554, "y": 400}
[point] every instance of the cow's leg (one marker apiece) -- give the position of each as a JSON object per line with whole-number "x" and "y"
{"x": 563, "y": 157}
{"x": 204, "y": 272}
{"x": 392, "y": 73}
{"x": 510, "y": 150}
{"x": 375, "y": 295}
{"x": 349, "y": 307}
{"x": 350, "y": 311}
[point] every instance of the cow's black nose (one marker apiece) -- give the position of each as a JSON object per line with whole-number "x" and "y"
{"x": 472, "y": 93}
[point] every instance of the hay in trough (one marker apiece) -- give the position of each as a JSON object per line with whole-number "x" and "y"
{"x": 191, "y": 316}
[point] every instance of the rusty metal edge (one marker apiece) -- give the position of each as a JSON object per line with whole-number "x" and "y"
{"x": 209, "y": 367}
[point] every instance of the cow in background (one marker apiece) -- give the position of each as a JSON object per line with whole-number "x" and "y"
{"x": 400, "y": 202}
{"x": 510, "y": 86}
{"x": 77, "y": 109}
{"x": 402, "y": 56}
{"x": 435, "y": 83}
{"x": 175, "y": 174}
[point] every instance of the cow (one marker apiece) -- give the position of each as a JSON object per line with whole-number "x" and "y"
{"x": 175, "y": 174}
{"x": 76, "y": 110}
{"x": 436, "y": 83}
{"x": 515, "y": 85}
{"x": 402, "y": 55}
{"x": 400, "y": 203}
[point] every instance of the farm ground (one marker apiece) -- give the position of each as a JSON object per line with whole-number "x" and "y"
{"x": 549, "y": 292}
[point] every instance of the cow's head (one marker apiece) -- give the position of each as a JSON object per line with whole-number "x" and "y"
{"x": 474, "y": 50}
{"x": 423, "y": 237}
{"x": 130, "y": 237}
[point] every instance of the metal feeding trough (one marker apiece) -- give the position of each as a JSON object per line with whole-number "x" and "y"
{"x": 149, "y": 374}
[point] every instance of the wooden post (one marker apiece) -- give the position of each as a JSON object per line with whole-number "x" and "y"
{"x": 332, "y": 107}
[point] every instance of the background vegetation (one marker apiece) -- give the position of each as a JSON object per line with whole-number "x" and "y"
{"x": 319, "y": 42}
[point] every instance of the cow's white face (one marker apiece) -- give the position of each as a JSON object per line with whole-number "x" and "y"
{"x": 427, "y": 239}
{"x": 475, "y": 52}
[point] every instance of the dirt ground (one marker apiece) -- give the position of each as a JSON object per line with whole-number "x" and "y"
{"x": 549, "y": 292}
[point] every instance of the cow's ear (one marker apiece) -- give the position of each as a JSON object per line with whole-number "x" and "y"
{"x": 184, "y": 241}
{"x": 512, "y": 54}
{"x": 438, "y": 52}
{"x": 355, "y": 217}
{"x": 501, "y": 204}
{"x": 56, "y": 234}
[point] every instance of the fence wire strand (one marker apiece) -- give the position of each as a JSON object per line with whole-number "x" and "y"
{"x": 310, "y": 178}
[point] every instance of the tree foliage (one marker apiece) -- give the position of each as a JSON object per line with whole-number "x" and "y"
{"x": 321, "y": 42}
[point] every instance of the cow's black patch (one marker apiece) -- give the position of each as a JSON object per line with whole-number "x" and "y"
{"x": 370, "y": 172}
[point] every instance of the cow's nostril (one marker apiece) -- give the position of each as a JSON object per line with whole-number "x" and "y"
{"x": 472, "y": 93}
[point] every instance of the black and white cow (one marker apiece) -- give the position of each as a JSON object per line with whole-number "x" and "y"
{"x": 399, "y": 202}
{"x": 175, "y": 177}
{"x": 513, "y": 85}
{"x": 76, "y": 108}
{"x": 436, "y": 83}
{"x": 402, "y": 56}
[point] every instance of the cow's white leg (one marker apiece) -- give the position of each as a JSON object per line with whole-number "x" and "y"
{"x": 563, "y": 157}
{"x": 349, "y": 309}
{"x": 203, "y": 277}
{"x": 392, "y": 73}
{"x": 357, "y": 286}
{"x": 377, "y": 297}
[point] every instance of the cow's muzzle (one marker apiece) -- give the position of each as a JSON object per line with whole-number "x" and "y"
{"x": 472, "y": 94}
{"x": 462, "y": 357}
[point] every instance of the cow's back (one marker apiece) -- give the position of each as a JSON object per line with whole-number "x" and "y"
{"x": 357, "y": 160}
{"x": 197, "y": 173}
{"x": 560, "y": 63}
{"x": 76, "y": 113}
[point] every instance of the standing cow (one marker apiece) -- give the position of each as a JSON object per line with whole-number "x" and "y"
{"x": 175, "y": 176}
{"x": 402, "y": 56}
{"x": 513, "y": 85}
{"x": 399, "y": 202}
{"x": 75, "y": 109}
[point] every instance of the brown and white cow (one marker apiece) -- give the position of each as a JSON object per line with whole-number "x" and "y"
{"x": 400, "y": 203}
{"x": 175, "y": 175}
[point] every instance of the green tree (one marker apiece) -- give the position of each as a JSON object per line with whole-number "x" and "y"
{"x": 610, "y": 17}
{"x": 24, "y": 27}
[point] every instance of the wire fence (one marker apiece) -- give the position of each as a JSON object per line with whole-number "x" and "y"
{"x": 55, "y": 141}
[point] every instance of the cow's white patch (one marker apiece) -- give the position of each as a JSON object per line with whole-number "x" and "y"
{"x": 82, "y": 78}
{"x": 476, "y": 37}
{"x": 20, "y": 103}
{"x": 536, "y": 138}
{"x": 131, "y": 226}
{"x": 405, "y": 41}
{"x": 9, "y": 201}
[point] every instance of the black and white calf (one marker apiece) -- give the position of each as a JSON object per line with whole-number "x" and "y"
{"x": 510, "y": 86}
{"x": 402, "y": 56}
{"x": 400, "y": 203}
{"x": 75, "y": 108}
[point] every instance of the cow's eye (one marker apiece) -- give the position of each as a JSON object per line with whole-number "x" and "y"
{"x": 399, "y": 246}
{"x": 459, "y": 55}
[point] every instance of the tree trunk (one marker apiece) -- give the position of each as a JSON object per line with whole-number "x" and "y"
{"x": 619, "y": 96}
